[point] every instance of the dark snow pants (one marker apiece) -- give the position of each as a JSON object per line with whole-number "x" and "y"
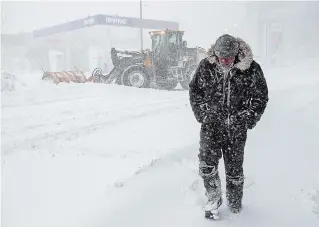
{"x": 216, "y": 143}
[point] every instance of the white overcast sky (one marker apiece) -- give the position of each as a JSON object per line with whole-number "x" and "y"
{"x": 203, "y": 21}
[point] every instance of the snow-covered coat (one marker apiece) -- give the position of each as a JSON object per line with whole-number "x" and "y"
{"x": 238, "y": 96}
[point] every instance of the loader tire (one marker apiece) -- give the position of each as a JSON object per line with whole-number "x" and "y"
{"x": 136, "y": 78}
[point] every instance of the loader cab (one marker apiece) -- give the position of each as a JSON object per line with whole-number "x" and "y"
{"x": 168, "y": 44}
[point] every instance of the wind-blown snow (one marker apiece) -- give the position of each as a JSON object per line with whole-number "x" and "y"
{"x": 87, "y": 155}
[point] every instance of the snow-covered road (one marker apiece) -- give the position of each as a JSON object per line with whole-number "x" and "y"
{"x": 87, "y": 155}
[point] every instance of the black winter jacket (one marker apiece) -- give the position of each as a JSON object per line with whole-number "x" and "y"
{"x": 237, "y": 97}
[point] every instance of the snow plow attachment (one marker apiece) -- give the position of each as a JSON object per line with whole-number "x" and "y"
{"x": 99, "y": 77}
{"x": 65, "y": 77}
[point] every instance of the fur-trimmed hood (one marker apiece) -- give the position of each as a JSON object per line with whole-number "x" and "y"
{"x": 245, "y": 55}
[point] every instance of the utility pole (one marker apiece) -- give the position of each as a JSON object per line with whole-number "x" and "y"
{"x": 141, "y": 29}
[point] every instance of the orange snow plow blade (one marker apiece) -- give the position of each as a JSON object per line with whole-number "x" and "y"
{"x": 65, "y": 76}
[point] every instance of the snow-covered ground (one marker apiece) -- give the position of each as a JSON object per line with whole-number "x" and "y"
{"x": 95, "y": 155}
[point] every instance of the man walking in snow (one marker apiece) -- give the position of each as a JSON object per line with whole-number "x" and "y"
{"x": 228, "y": 95}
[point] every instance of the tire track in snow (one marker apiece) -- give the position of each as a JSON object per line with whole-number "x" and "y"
{"x": 50, "y": 102}
{"x": 72, "y": 133}
{"x": 72, "y": 118}
{"x": 86, "y": 115}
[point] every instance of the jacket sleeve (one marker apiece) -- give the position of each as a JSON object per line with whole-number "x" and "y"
{"x": 203, "y": 111}
{"x": 259, "y": 97}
